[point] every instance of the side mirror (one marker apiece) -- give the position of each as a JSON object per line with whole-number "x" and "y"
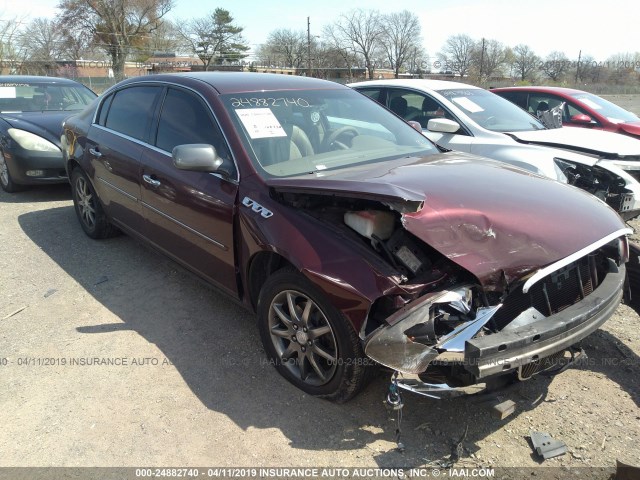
{"x": 443, "y": 125}
{"x": 581, "y": 118}
{"x": 415, "y": 125}
{"x": 197, "y": 157}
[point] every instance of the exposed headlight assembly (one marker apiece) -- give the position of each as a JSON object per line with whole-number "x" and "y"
{"x": 31, "y": 141}
{"x": 561, "y": 167}
{"x": 411, "y": 340}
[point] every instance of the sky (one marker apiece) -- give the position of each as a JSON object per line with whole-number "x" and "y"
{"x": 597, "y": 28}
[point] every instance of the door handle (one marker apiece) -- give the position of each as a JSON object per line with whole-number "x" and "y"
{"x": 151, "y": 181}
{"x": 95, "y": 152}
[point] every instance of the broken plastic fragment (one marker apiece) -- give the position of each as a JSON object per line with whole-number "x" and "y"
{"x": 547, "y": 447}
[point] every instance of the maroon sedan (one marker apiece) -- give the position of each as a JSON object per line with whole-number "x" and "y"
{"x": 354, "y": 239}
{"x": 581, "y": 109}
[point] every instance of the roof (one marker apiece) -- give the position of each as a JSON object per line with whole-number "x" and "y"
{"x": 415, "y": 83}
{"x": 235, "y": 82}
{"x": 564, "y": 90}
{"x": 35, "y": 79}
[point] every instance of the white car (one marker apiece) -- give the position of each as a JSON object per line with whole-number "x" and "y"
{"x": 462, "y": 117}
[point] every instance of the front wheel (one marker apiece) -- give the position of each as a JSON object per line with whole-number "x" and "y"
{"x": 6, "y": 182}
{"x": 308, "y": 340}
{"x": 92, "y": 218}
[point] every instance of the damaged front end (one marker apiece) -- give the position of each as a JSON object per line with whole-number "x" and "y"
{"x": 477, "y": 281}
{"x": 464, "y": 336}
{"x": 614, "y": 182}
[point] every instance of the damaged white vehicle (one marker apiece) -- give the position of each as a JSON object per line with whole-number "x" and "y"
{"x": 469, "y": 119}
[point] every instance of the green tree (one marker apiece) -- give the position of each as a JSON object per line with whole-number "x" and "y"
{"x": 116, "y": 26}
{"x": 215, "y": 39}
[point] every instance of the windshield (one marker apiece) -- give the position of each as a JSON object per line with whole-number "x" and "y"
{"x": 40, "y": 96}
{"x": 611, "y": 111}
{"x": 491, "y": 111}
{"x": 293, "y": 132}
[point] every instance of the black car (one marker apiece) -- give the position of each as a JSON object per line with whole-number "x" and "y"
{"x": 31, "y": 113}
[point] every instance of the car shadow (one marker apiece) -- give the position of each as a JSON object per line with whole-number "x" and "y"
{"x": 611, "y": 357}
{"x": 36, "y": 194}
{"x": 214, "y": 345}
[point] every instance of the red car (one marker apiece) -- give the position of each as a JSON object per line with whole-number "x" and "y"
{"x": 581, "y": 109}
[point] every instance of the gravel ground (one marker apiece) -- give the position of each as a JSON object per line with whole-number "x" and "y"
{"x": 192, "y": 386}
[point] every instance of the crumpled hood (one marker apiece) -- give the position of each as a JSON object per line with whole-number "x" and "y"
{"x": 488, "y": 217}
{"x": 45, "y": 124}
{"x": 597, "y": 142}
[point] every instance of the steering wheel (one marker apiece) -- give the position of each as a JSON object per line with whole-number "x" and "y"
{"x": 332, "y": 140}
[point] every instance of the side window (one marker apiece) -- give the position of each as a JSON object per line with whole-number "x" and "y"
{"x": 519, "y": 98}
{"x": 541, "y": 101}
{"x": 131, "y": 111}
{"x": 417, "y": 107}
{"x": 185, "y": 119}
{"x": 572, "y": 109}
{"x": 104, "y": 108}
{"x": 373, "y": 93}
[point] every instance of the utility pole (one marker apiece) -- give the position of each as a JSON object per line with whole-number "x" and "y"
{"x": 308, "y": 47}
{"x": 578, "y": 66}
{"x": 481, "y": 59}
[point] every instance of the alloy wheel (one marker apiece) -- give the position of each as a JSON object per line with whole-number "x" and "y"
{"x": 85, "y": 201}
{"x": 303, "y": 338}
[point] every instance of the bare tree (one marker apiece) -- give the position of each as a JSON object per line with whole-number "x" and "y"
{"x": 215, "y": 39}
{"x": 588, "y": 70}
{"x": 487, "y": 58}
{"x": 43, "y": 43}
{"x": 400, "y": 38}
{"x": 116, "y": 26}
{"x": 285, "y": 47}
{"x": 556, "y": 65}
{"x": 621, "y": 68}
{"x": 457, "y": 54}
{"x": 75, "y": 43}
{"x": 525, "y": 62}
{"x": 9, "y": 48}
{"x": 361, "y": 31}
{"x": 341, "y": 49}
{"x": 165, "y": 39}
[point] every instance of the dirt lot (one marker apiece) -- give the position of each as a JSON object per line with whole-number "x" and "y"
{"x": 629, "y": 102}
{"x": 191, "y": 387}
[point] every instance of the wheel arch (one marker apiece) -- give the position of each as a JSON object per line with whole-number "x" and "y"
{"x": 261, "y": 265}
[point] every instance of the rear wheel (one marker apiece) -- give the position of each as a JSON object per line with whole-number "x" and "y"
{"x": 6, "y": 182}
{"x": 92, "y": 218}
{"x": 308, "y": 340}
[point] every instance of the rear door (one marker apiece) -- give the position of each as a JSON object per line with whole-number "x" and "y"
{"x": 114, "y": 147}
{"x": 189, "y": 215}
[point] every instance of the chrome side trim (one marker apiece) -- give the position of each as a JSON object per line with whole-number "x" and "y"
{"x": 540, "y": 274}
{"x": 117, "y": 189}
{"x": 186, "y": 227}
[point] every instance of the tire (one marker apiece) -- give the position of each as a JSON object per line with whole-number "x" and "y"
{"x": 632, "y": 287}
{"x": 6, "y": 182}
{"x": 316, "y": 349}
{"x": 92, "y": 218}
